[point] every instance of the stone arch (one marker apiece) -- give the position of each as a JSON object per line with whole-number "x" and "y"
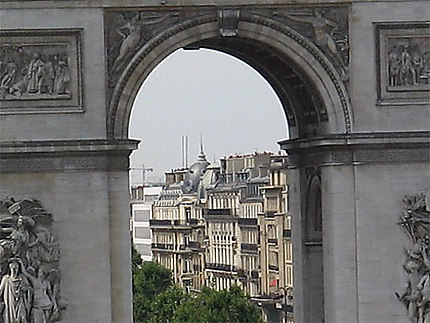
{"x": 313, "y": 96}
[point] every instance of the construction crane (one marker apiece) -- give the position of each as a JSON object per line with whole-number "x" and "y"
{"x": 144, "y": 171}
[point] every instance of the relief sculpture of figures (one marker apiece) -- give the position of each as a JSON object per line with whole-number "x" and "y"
{"x": 415, "y": 221}
{"x": 323, "y": 31}
{"x": 408, "y": 62}
{"x": 30, "y": 73}
{"x": 29, "y": 260}
{"x": 132, "y": 33}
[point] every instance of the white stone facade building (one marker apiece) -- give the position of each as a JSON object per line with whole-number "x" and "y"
{"x": 142, "y": 198}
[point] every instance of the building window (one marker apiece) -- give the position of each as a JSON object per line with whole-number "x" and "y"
{"x": 141, "y": 215}
{"x": 142, "y": 233}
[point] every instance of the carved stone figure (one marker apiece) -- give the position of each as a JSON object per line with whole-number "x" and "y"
{"x": 130, "y": 39}
{"x": 12, "y": 290}
{"x": 43, "y": 304}
{"x": 323, "y": 29}
{"x": 61, "y": 78}
{"x": 415, "y": 220}
{"x": 132, "y": 32}
{"x": 408, "y": 62}
{"x": 7, "y": 77}
{"x": 28, "y": 252}
{"x": 30, "y": 74}
{"x": 35, "y": 73}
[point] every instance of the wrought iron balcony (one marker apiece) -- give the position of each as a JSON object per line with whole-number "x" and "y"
{"x": 160, "y": 223}
{"x": 273, "y": 240}
{"x": 247, "y": 221}
{"x": 217, "y": 212}
{"x": 173, "y": 223}
{"x": 272, "y": 267}
{"x": 194, "y": 245}
{"x": 162, "y": 246}
{"x": 221, "y": 267}
{"x": 252, "y": 247}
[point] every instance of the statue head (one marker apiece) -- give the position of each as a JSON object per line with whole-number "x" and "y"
{"x": 318, "y": 12}
{"x": 20, "y": 222}
{"x": 40, "y": 273}
{"x": 411, "y": 266}
{"x": 14, "y": 268}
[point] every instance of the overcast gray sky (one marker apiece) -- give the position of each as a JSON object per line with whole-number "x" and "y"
{"x": 203, "y": 92}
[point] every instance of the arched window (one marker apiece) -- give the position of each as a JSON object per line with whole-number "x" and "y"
{"x": 313, "y": 210}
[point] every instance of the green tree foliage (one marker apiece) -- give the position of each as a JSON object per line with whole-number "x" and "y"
{"x": 165, "y": 304}
{"x": 149, "y": 280}
{"x": 227, "y": 306}
{"x": 156, "y": 299}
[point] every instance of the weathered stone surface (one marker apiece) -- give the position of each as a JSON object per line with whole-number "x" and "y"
{"x": 362, "y": 125}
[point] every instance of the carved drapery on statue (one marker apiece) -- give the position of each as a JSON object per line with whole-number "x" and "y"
{"x": 415, "y": 221}
{"x": 29, "y": 264}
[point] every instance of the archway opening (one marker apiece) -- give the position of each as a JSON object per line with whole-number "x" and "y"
{"x": 310, "y": 90}
{"x": 208, "y": 95}
{"x": 240, "y": 118}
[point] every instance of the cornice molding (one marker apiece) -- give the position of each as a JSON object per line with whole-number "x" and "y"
{"x": 65, "y": 156}
{"x": 359, "y": 148}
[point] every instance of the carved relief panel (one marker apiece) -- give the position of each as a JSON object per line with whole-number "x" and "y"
{"x": 404, "y": 63}
{"x": 29, "y": 264}
{"x": 40, "y": 71}
{"x": 415, "y": 222}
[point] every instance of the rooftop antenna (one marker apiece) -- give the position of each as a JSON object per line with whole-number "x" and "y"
{"x": 184, "y": 151}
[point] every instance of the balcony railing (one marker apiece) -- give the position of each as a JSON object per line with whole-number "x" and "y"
{"x": 247, "y": 221}
{"x": 173, "y": 223}
{"x": 273, "y": 240}
{"x": 271, "y": 267}
{"x": 249, "y": 247}
{"x": 193, "y": 221}
{"x": 221, "y": 267}
{"x": 163, "y": 246}
{"x": 194, "y": 245}
{"x": 158, "y": 223}
{"x": 217, "y": 211}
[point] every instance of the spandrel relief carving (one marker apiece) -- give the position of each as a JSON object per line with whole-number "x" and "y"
{"x": 40, "y": 71}
{"x": 29, "y": 264}
{"x": 127, "y": 31}
{"x": 403, "y": 63}
{"x": 415, "y": 222}
{"x": 326, "y": 27}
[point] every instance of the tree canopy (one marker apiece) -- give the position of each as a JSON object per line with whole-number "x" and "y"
{"x": 210, "y": 306}
{"x": 149, "y": 280}
{"x": 157, "y": 299}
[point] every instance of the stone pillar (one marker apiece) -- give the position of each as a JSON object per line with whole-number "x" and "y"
{"x": 364, "y": 178}
{"x": 84, "y": 185}
{"x": 120, "y": 239}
